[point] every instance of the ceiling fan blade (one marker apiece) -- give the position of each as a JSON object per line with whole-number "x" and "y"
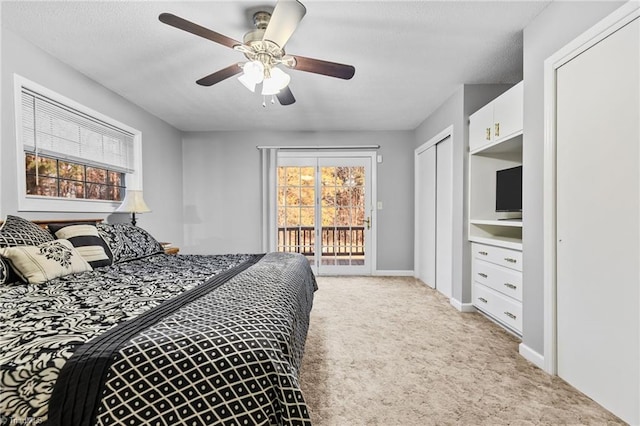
{"x": 285, "y": 18}
{"x": 220, "y": 75}
{"x": 183, "y": 24}
{"x": 285, "y": 97}
{"x": 317, "y": 66}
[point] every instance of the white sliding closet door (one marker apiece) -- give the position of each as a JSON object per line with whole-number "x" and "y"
{"x": 598, "y": 222}
{"x": 444, "y": 219}
{"x": 426, "y": 216}
{"x": 434, "y": 223}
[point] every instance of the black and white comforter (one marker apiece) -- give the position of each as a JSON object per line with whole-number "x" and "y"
{"x": 221, "y": 350}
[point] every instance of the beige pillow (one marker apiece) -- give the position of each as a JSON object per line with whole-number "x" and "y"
{"x": 44, "y": 262}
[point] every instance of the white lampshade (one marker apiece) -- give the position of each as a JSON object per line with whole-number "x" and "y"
{"x": 278, "y": 81}
{"x": 253, "y": 73}
{"x": 133, "y": 203}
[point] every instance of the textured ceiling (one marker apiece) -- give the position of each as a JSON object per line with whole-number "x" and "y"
{"x": 409, "y": 57}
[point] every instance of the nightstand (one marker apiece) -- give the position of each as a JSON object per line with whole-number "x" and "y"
{"x": 169, "y": 249}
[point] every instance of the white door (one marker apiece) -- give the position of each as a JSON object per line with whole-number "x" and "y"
{"x": 426, "y": 216}
{"x": 434, "y": 223}
{"x": 598, "y": 222}
{"x": 444, "y": 219}
{"x": 325, "y": 211}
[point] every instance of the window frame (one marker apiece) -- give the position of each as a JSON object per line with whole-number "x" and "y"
{"x": 38, "y": 203}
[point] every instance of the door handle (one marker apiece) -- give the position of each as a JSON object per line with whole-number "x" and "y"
{"x": 368, "y": 222}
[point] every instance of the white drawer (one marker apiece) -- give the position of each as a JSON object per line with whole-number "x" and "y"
{"x": 498, "y": 255}
{"x": 498, "y": 306}
{"x": 499, "y": 278}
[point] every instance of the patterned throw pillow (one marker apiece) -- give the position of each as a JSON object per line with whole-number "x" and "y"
{"x": 42, "y": 263}
{"x": 128, "y": 242}
{"x": 86, "y": 239}
{"x": 16, "y": 231}
{"x": 5, "y": 270}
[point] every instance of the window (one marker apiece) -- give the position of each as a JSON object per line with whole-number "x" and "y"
{"x": 52, "y": 177}
{"x": 71, "y": 158}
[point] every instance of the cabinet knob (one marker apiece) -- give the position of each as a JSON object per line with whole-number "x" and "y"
{"x": 511, "y": 286}
{"x": 497, "y": 129}
{"x": 510, "y": 315}
{"x": 483, "y": 253}
{"x": 488, "y": 133}
{"x": 511, "y": 260}
{"x": 482, "y": 299}
{"x": 482, "y": 275}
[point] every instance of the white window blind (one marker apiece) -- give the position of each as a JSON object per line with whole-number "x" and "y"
{"x": 53, "y": 129}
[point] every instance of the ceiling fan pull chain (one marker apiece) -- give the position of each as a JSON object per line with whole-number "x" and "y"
{"x": 264, "y": 101}
{"x": 273, "y": 99}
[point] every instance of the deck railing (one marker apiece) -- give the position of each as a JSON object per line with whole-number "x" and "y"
{"x": 335, "y": 240}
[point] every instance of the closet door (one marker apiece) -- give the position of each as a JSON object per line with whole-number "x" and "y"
{"x": 426, "y": 216}
{"x": 444, "y": 219}
{"x": 598, "y": 222}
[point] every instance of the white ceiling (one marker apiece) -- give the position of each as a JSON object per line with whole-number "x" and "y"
{"x": 410, "y": 56}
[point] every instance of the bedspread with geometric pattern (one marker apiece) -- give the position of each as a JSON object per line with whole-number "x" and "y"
{"x": 227, "y": 351}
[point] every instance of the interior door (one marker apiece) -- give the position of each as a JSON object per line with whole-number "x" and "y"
{"x": 598, "y": 222}
{"x": 426, "y": 216}
{"x": 444, "y": 217}
{"x": 434, "y": 222}
{"x": 325, "y": 211}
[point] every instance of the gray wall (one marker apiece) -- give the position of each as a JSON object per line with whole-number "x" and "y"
{"x": 455, "y": 112}
{"x": 161, "y": 143}
{"x": 556, "y": 26}
{"x": 222, "y": 189}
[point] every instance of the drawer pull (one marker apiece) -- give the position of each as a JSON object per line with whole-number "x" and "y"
{"x": 510, "y": 315}
{"x": 482, "y": 299}
{"x": 482, "y": 275}
{"x": 487, "y": 133}
{"x": 511, "y": 286}
{"x": 497, "y": 129}
{"x": 511, "y": 260}
{"x": 483, "y": 253}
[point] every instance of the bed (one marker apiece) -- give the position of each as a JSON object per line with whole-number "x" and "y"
{"x": 147, "y": 337}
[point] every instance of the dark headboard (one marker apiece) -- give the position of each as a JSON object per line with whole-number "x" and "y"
{"x": 45, "y": 223}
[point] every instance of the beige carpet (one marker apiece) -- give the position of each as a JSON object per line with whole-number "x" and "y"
{"x": 390, "y": 351}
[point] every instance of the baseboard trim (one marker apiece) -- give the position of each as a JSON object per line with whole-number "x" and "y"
{"x": 393, "y": 273}
{"x": 462, "y": 307}
{"x": 532, "y": 356}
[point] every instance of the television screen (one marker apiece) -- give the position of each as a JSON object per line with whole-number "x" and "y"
{"x": 509, "y": 190}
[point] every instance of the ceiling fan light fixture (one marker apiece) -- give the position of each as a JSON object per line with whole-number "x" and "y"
{"x": 253, "y": 73}
{"x": 247, "y": 82}
{"x": 278, "y": 81}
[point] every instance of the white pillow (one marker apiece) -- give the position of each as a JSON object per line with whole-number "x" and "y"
{"x": 44, "y": 262}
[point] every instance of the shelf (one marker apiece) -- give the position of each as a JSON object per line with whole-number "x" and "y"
{"x": 508, "y": 145}
{"x": 506, "y": 242}
{"x": 493, "y": 222}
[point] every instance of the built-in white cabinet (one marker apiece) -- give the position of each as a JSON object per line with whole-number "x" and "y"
{"x": 499, "y": 120}
{"x": 495, "y": 141}
{"x": 497, "y": 284}
{"x": 495, "y": 145}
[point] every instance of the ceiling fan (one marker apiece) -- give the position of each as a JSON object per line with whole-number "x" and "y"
{"x": 264, "y": 49}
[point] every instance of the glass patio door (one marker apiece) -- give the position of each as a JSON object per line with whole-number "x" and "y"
{"x": 324, "y": 211}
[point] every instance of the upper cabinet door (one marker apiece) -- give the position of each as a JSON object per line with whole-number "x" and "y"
{"x": 508, "y": 113}
{"x": 481, "y": 127}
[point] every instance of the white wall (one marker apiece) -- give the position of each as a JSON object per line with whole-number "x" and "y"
{"x": 222, "y": 189}
{"x": 161, "y": 143}
{"x": 556, "y": 26}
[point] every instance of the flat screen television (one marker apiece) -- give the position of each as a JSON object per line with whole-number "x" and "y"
{"x": 509, "y": 190}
